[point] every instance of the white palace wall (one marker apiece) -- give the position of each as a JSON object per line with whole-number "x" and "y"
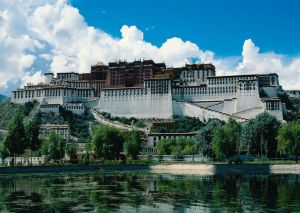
{"x": 241, "y": 103}
{"x": 229, "y": 106}
{"x": 139, "y": 106}
{"x": 198, "y": 94}
{"x": 189, "y": 109}
{"x": 154, "y": 100}
{"x": 53, "y": 95}
{"x": 248, "y": 97}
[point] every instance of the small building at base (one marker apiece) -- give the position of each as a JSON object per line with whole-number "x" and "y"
{"x": 61, "y": 129}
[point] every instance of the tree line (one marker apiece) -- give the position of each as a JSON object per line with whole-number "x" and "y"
{"x": 108, "y": 143}
{"x": 261, "y": 137}
{"x": 22, "y": 139}
{"x": 21, "y": 136}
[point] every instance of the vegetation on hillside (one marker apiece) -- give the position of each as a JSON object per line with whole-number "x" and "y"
{"x": 261, "y": 137}
{"x": 128, "y": 121}
{"x": 79, "y": 124}
{"x": 187, "y": 124}
{"x": 292, "y": 106}
{"x": 8, "y": 110}
{"x": 182, "y": 124}
{"x": 3, "y": 98}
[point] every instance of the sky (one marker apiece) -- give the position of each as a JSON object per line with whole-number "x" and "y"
{"x": 217, "y": 25}
{"x": 237, "y": 36}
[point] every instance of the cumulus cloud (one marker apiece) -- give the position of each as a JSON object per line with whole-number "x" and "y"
{"x": 253, "y": 61}
{"x": 33, "y": 78}
{"x": 54, "y": 33}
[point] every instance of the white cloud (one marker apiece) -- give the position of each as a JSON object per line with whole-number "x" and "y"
{"x": 253, "y": 61}
{"x": 45, "y": 56}
{"x": 71, "y": 44}
{"x": 37, "y": 77}
{"x": 53, "y": 31}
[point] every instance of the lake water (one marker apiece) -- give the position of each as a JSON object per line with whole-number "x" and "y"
{"x": 146, "y": 192}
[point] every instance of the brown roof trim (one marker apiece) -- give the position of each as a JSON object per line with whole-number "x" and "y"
{"x": 230, "y": 76}
{"x": 68, "y": 73}
{"x": 122, "y": 88}
{"x": 173, "y": 134}
{"x": 158, "y": 78}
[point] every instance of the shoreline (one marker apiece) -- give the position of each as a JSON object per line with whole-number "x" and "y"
{"x": 73, "y": 168}
{"x": 175, "y": 169}
{"x": 224, "y": 169}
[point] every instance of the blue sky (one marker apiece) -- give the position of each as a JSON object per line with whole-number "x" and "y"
{"x": 237, "y": 36}
{"x": 217, "y": 25}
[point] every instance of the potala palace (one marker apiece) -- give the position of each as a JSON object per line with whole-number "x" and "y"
{"x": 145, "y": 89}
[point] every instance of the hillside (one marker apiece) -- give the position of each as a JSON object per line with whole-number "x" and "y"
{"x": 3, "y": 98}
{"x": 79, "y": 125}
{"x": 292, "y": 107}
{"x": 7, "y": 112}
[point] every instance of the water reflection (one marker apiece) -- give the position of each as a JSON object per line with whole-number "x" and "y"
{"x": 144, "y": 192}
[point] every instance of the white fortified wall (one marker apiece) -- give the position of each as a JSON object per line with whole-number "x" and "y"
{"x": 248, "y": 95}
{"x": 189, "y": 109}
{"x": 139, "y": 106}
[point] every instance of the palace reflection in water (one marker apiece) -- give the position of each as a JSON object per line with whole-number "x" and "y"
{"x": 144, "y": 192}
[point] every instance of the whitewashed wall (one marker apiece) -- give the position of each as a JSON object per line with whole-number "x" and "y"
{"x": 139, "y": 106}
{"x": 247, "y": 99}
{"x": 188, "y": 109}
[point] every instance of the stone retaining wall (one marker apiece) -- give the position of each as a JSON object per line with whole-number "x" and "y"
{"x": 215, "y": 169}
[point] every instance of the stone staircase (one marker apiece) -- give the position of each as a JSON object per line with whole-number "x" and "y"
{"x": 115, "y": 124}
{"x": 203, "y": 113}
{"x": 249, "y": 113}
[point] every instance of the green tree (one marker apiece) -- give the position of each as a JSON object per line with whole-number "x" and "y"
{"x": 107, "y": 142}
{"x": 289, "y": 139}
{"x": 190, "y": 147}
{"x": 163, "y": 146}
{"x": 162, "y": 130}
{"x": 32, "y": 135}
{"x": 72, "y": 151}
{"x": 187, "y": 124}
{"x": 205, "y": 135}
{"x": 27, "y": 107}
{"x": 15, "y": 139}
{"x": 88, "y": 147}
{"x": 177, "y": 147}
{"x": 259, "y": 135}
{"x": 133, "y": 144}
{"x": 3, "y": 151}
{"x": 176, "y": 151}
{"x": 225, "y": 143}
{"x": 54, "y": 146}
